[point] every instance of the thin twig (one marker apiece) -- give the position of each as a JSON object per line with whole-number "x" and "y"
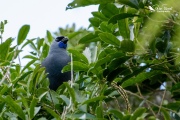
{"x": 131, "y": 93}
{"x": 19, "y": 58}
{"x": 66, "y": 108}
{"x": 8, "y": 69}
{"x": 162, "y": 101}
{"x": 72, "y": 78}
{"x": 145, "y": 100}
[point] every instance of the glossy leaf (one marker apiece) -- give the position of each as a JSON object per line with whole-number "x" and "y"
{"x": 116, "y": 62}
{"x": 127, "y": 45}
{"x": 131, "y": 3}
{"x": 41, "y": 92}
{"x": 79, "y": 56}
{"x": 22, "y": 34}
{"x": 53, "y": 113}
{"x": 71, "y": 92}
{"x": 31, "y": 57}
{"x": 105, "y": 27}
{"x": 123, "y": 23}
{"x": 140, "y": 78}
{"x": 138, "y": 113}
{"x": 65, "y": 99}
{"x": 81, "y": 3}
{"x": 109, "y": 39}
{"x": 4, "y": 48}
{"x": 95, "y": 21}
{"x": 83, "y": 116}
{"x": 96, "y": 99}
{"x": 120, "y": 16}
{"x": 100, "y": 16}
{"x": 91, "y": 37}
{"x": 99, "y": 112}
{"x": 166, "y": 114}
{"x": 16, "y": 108}
{"x": 49, "y": 36}
{"x": 33, "y": 107}
{"x": 77, "y": 66}
{"x": 23, "y": 76}
{"x": 116, "y": 113}
{"x": 109, "y": 10}
{"x": 175, "y": 87}
{"x": 102, "y": 61}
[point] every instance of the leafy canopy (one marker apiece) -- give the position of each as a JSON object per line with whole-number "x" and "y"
{"x": 129, "y": 59}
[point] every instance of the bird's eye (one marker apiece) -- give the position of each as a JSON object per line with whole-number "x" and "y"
{"x": 65, "y": 40}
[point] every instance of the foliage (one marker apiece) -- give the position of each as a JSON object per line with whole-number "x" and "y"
{"x": 129, "y": 68}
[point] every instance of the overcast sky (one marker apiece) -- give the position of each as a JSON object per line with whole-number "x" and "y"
{"x": 41, "y": 15}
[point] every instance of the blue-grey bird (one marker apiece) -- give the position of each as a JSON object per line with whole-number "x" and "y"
{"x": 57, "y": 58}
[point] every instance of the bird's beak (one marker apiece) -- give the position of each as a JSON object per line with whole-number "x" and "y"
{"x": 65, "y": 40}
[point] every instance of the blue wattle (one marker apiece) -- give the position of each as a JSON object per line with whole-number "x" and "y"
{"x": 62, "y": 45}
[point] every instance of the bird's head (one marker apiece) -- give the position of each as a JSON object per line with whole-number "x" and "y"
{"x": 62, "y": 42}
{"x": 59, "y": 45}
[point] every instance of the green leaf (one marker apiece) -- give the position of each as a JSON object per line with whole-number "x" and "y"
{"x": 31, "y": 57}
{"x": 131, "y": 3}
{"x": 116, "y": 62}
{"x": 39, "y": 43}
{"x": 99, "y": 98}
{"x": 109, "y": 39}
{"x": 91, "y": 37}
{"x": 105, "y": 27}
{"x": 175, "y": 87}
{"x": 4, "y": 48}
{"x": 77, "y": 66}
{"x": 166, "y": 114}
{"x": 112, "y": 75}
{"x": 2, "y": 106}
{"x": 79, "y": 56}
{"x": 81, "y": 3}
{"x": 127, "y": 45}
{"x": 120, "y": 16}
{"x": 140, "y": 78}
{"x": 23, "y": 76}
{"x": 65, "y": 99}
{"x": 99, "y": 112}
{"x": 16, "y": 108}
{"x": 136, "y": 71}
{"x": 74, "y": 34}
{"x": 71, "y": 92}
{"x": 28, "y": 64}
{"x": 100, "y": 16}
{"x": 95, "y": 21}
{"x": 33, "y": 107}
{"x": 53, "y": 113}
{"x": 173, "y": 106}
{"x": 45, "y": 50}
{"x": 108, "y": 10}
{"x": 41, "y": 92}
{"x": 22, "y": 34}
{"x": 116, "y": 113}
{"x": 138, "y": 113}
{"x": 103, "y": 61}
{"x": 81, "y": 116}
{"x": 28, "y": 42}
{"x": 4, "y": 89}
{"x": 49, "y": 36}
{"x": 124, "y": 29}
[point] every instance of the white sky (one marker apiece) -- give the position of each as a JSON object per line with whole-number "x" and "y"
{"x": 41, "y": 15}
